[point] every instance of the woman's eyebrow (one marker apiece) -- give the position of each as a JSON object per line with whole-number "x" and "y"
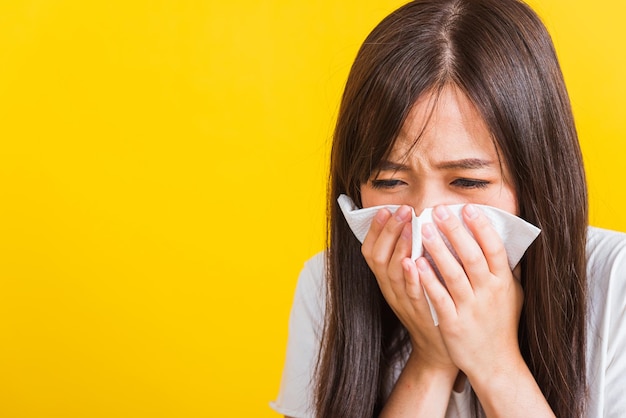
{"x": 465, "y": 164}
{"x": 387, "y": 165}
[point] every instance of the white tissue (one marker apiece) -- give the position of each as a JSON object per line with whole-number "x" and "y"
{"x": 516, "y": 233}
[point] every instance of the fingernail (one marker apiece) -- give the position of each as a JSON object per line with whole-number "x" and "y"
{"x": 471, "y": 211}
{"x": 403, "y": 213}
{"x": 428, "y": 232}
{"x": 441, "y": 212}
{"x": 422, "y": 265}
{"x": 406, "y": 265}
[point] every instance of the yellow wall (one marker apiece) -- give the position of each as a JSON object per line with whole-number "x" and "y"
{"x": 162, "y": 174}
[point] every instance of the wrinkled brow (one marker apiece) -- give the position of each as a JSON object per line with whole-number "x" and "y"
{"x": 387, "y": 165}
{"x": 465, "y": 164}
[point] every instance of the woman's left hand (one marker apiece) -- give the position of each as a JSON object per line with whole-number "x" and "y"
{"x": 480, "y": 310}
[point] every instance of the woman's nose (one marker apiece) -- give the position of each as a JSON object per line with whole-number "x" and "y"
{"x": 428, "y": 199}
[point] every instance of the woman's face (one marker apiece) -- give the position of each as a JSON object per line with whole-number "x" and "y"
{"x": 454, "y": 161}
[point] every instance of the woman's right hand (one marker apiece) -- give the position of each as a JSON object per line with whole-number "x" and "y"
{"x": 387, "y": 251}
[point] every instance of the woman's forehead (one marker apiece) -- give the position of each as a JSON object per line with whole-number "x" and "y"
{"x": 445, "y": 125}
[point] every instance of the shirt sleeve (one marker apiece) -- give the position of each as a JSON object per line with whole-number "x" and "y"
{"x": 615, "y": 363}
{"x": 606, "y": 341}
{"x": 295, "y": 397}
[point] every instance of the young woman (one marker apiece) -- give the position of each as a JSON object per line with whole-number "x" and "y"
{"x": 459, "y": 101}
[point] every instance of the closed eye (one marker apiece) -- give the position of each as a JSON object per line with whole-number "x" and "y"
{"x": 386, "y": 184}
{"x": 470, "y": 183}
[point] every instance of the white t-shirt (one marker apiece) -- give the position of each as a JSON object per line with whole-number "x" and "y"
{"x": 606, "y": 334}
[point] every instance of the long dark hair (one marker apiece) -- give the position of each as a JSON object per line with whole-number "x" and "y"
{"x": 500, "y": 55}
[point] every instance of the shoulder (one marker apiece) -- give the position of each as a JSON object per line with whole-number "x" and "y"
{"x": 295, "y": 397}
{"x": 606, "y": 278}
{"x": 606, "y": 254}
{"x": 316, "y": 265}
{"x": 312, "y": 277}
{"x": 605, "y": 246}
{"x": 606, "y": 264}
{"x": 310, "y": 296}
{"x": 606, "y": 332}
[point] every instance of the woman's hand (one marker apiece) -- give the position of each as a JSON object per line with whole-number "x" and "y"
{"x": 480, "y": 309}
{"x": 387, "y": 250}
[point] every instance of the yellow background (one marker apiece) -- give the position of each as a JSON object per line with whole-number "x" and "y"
{"x": 162, "y": 180}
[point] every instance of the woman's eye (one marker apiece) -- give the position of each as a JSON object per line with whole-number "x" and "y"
{"x": 470, "y": 184}
{"x": 386, "y": 184}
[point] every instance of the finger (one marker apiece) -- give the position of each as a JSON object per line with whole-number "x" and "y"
{"x": 439, "y": 297}
{"x": 451, "y": 271}
{"x": 489, "y": 240}
{"x": 414, "y": 289}
{"x": 402, "y": 250}
{"x": 377, "y": 225}
{"x": 393, "y": 244}
{"x": 465, "y": 246}
{"x": 385, "y": 242}
{"x": 367, "y": 249}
